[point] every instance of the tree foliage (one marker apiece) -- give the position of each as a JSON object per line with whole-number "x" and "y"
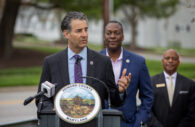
{"x": 134, "y": 9}
{"x": 153, "y": 8}
{"x": 91, "y": 8}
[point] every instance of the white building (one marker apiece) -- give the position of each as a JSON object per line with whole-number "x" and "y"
{"x": 178, "y": 30}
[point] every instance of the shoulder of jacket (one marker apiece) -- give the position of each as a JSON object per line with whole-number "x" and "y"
{"x": 133, "y": 55}
{"x": 55, "y": 55}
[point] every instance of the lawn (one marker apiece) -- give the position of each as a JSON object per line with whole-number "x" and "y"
{"x": 186, "y": 69}
{"x": 31, "y": 75}
{"x": 20, "y": 76}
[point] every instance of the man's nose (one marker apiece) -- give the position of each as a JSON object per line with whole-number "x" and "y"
{"x": 84, "y": 33}
{"x": 170, "y": 59}
{"x": 112, "y": 35}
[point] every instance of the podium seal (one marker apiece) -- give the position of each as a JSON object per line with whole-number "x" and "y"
{"x": 77, "y": 103}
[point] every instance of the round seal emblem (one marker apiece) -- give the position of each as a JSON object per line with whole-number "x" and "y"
{"x": 77, "y": 103}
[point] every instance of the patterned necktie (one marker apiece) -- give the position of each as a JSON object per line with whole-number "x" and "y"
{"x": 78, "y": 69}
{"x": 170, "y": 88}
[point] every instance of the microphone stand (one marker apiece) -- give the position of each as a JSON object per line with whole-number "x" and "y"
{"x": 29, "y": 99}
{"x": 90, "y": 77}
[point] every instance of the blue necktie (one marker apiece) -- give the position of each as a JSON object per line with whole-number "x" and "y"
{"x": 78, "y": 69}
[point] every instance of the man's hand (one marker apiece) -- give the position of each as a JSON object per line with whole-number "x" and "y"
{"x": 124, "y": 81}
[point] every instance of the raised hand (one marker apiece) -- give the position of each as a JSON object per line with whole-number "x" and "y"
{"x": 124, "y": 81}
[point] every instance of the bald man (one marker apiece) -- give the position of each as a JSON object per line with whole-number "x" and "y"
{"x": 174, "y": 96}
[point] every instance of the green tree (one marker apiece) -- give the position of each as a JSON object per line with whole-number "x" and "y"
{"x": 135, "y": 9}
{"x": 91, "y": 8}
{"x": 10, "y": 9}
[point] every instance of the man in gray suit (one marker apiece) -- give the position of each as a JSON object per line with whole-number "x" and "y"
{"x": 59, "y": 68}
{"x": 174, "y": 96}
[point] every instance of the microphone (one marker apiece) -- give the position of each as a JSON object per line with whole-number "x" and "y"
{"x": 47, "y": 89}
{"x": 90, "y": 77}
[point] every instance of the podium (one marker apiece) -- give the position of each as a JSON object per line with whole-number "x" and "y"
{"x": 105, "y": 118}
{"x": 79, "y": 105}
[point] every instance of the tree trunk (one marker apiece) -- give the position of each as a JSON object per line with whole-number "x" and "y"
{"x": 2, "y": 2}
{"x": 133, "y": 22}
{"x": 7, "y": 27}
{"x": 105, "y": 14}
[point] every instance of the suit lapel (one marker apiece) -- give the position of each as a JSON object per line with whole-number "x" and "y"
{"x": 91, "y": 63}
{"x": 63, "y": 67}
{"x": 126, "y": 61}
{"x": 164, "y": 89}
{"x": 178, "y": 86}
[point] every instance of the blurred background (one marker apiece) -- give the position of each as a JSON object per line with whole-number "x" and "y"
{"x": 30, "y": 30}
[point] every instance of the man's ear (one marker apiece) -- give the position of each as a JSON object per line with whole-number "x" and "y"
{"x": 66, "y": 34}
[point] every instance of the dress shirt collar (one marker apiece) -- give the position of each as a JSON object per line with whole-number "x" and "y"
{"x": 82, "y": 54}
{"x": 174, "y": 75}
{"x": 120, "y": 57}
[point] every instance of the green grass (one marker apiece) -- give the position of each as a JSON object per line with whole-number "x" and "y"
{"x": 20, "y": 76}
{"x": 29, "y": 38}
{"x": 182, "y": 51}
{"x": 95, "y": 47}
{"x": 186, "y": 69}
{"x": 51, "y": 49}
{"x": 31, "y": 75}
{"x": 154, "y": 67}
{"x": 32, "y": 42}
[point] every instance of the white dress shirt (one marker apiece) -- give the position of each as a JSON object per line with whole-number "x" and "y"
{"x": 174, "y": 76}
{"x": 116, "y": 65}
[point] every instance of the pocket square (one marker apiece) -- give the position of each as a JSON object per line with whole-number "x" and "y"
{"x": 183, "y": 92}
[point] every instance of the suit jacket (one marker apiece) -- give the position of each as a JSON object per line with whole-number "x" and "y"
{"x": 55, "y": 70}
{"x": 182, "y": 111}
{"x": 140, "y": 80}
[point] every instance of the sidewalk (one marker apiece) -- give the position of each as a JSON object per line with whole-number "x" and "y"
{"x": 11, "y": 104}
{"x": 159, "y": 57}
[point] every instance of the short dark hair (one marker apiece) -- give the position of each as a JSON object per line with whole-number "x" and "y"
{"x": 117, "y": 22}
{"x": 73, "y": 15}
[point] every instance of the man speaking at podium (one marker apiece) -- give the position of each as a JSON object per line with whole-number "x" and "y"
{"x": 77, "y": 60}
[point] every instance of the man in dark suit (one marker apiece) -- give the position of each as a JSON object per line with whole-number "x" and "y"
{"x": 59, "y": 68}
{"x": 140, "y": 79}
{"x": 174, "y": 96}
